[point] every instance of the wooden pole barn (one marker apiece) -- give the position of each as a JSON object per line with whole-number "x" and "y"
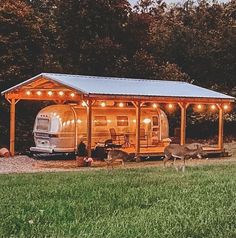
{"x": 87, "y": 89}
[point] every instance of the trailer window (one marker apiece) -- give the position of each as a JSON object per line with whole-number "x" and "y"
{"x": 155, "y": 121}
{"x": 42, "y": 124}
{"x": 100, "y": 121}
{"x": 122, "y": 121}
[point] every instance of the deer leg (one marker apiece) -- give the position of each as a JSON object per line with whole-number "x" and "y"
{"x": 174, "y": 162}
{"x": 166, "y": 158}
{"x": 183, "y": 168}
{"x": 107, "y": 165}
{"x": 176, "y": 167}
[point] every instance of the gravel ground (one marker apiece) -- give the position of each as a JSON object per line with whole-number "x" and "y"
{"x": 17, "y": 164}
{"x": 24, "y": 164}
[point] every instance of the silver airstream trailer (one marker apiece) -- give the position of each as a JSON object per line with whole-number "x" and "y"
{"x": 59, "y": 128}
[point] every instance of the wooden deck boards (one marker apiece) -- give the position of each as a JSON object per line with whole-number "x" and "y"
{"x": 159, "y": 151}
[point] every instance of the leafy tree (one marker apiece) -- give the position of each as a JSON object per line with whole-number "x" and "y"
{"x": 200, "y": 39}
{"x": 21, "y": 43}
{"x": 143, "y": 65}
{"x": 172, "y": 72}
{"x": 99, "y": 57}
{"x": 87, "y": 22}
{"x": 46, "y": 11}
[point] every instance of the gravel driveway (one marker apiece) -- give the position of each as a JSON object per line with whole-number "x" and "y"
{"x": 24, "y": 164}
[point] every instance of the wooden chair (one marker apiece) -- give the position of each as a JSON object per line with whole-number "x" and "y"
{"x": 143, "y": 136}
{"x": 116, "y": 137}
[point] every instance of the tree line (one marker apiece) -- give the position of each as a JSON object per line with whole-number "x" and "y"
{"x": 193, "y": 42}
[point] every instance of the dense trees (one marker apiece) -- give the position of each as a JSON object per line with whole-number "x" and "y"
{"x": 104, "y": 37}
{"x": 21, "y": 42}
{"x": 191, "y": 42}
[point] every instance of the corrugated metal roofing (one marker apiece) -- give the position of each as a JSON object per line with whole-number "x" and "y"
{"x": 128, "y": 87}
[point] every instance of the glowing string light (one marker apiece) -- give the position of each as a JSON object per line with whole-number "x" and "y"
{"x": 154, "y": 105}
{"x": 103, "y": 104}
{"x": 121, "y": 104}
{"x": 61, "y": 93}
{"x": 28, "y": 93}
{"x": 50, "y": 93}
{"x": 39, "y": 93}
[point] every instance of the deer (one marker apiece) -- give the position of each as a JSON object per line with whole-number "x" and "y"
{"x": 117, "y": 155}
{"x": 182, "y": 152}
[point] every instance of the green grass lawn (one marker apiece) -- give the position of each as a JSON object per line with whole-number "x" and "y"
{"x": 149, "y": 202}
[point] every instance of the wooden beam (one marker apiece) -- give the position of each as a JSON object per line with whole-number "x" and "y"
{"x": 159, "y": 99}
{"x": 22, "y": 96}
{"x": 183, "y": 107}
{"x": 89, "y": 127}
{"x": 76, "y": 129}
{"x": 138, "y": 116}
{"x": 221, "y": 127}
{"x": 12, "y": 126}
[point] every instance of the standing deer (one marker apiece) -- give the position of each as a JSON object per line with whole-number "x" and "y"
{"x": 182, "y": 152}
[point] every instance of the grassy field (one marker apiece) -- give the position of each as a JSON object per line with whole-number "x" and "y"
{"x": 150, "y": 202}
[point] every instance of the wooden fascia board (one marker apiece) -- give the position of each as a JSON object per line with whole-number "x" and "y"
{"x": 23, "y": 86}
{"x": 22, "y": 96}
{"x": 160, "y": 99}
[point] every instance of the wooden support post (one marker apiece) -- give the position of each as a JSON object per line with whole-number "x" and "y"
{"x": 89, "y": 127}
{"x": 76, "y": 129}
{"x": 183, "y": 107}
{"x": 221, "y": 128}
{"x": 12, "y": 126}
{"x": 138, "y": 116}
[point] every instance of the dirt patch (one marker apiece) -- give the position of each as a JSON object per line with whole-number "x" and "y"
{"x": 24, "y": 164}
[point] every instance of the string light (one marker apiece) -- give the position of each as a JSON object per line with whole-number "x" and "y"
{"x": 39, "y": 93}
{"x": 79, "y": 121}
{"x": 226, "y": 107}
{"x": 103, "y": 104}
{"x": 50, "y": 93}
{"x": 213, "y": 107}
{"x": 121, "y": 104}
{"x": 199, "y": 107}
{"x": 28, "y": 93}
{"x": 72, "y": 95}
{"x": 61, "y": 93}
{"x": 170, "y": 106}
{"x": 154, "y": 105}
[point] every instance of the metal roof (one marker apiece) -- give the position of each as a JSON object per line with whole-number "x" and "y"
{"x": 127, "y": 86}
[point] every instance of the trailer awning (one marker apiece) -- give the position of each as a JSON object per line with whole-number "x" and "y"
{"x": 112, "y": 86}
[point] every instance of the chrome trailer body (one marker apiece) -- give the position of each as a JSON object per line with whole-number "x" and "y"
{"x": 59, "y": 128}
